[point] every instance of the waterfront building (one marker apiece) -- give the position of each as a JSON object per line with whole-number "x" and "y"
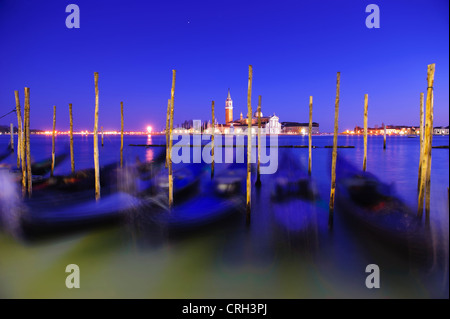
{"x": 197, "y": 126}
{"x": 397, "y": 130}
{"x": 299, "y": 128}
{"x": 440, "y": 130}
{"x": 273, "y": 126}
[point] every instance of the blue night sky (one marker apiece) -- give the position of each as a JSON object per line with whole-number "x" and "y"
{"x": 295, "y": 47}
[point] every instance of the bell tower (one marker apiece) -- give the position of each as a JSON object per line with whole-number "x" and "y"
{"x": 229, "y": 109}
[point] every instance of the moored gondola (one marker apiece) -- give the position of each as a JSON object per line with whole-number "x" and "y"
{"x": 369, "y": 203}
{"x": 296, "y": 202}
{"x": 217, "y": 200}
{"x": 41, "y": 168}
{"x": 6, "y": 153}
{"x": 39, "y": 220}
{"x": 44, "y": 167}
{"x": 63, "y": 204}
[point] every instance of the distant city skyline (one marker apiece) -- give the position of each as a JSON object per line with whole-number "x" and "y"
{"x": 295, "y": 48}
{"x": 287, "y": 128}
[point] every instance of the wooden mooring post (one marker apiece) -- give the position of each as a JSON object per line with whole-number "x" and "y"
{"x": 53, "y": 141}
{"x": 430, "y": 116}
{"x": 12, "y": 136}
{"x": 27, "y": 131}
{"x": 421, "y": 132}
{"x": 258, "y": 173}
{"x": 425, "y": 183}
{"x": 96, "y": 160}
{"x": 72, "y": 160}
{"x": 19, "y": 129}
{"x": 384, "y": 137}
{"x": 366, "y": 102}
{"x": 335, "y": 138}
{"x": 172, "y": 97}
{"x": 249, "y": 138}
{"x": 213, "y": 130}
{"x": 167, "y": 132}
{"x": 22, "y": 143}
{"x": 310, "y": 136}
{"x": 121, "y": 134}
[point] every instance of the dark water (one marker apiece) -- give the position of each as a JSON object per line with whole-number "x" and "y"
{"x": 259, "y": 259}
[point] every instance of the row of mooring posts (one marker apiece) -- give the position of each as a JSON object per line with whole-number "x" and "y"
{"x": 23, "y": 141}
{"x": 426, "y": 133}
{"x": 95, "y": 137}
{"x": 425, "y": 141}
{"x": 425, "y": 172}
{"x": 249, "y": 144}
{"x": 169, "y": 127}
{"x": 426, "y": 136}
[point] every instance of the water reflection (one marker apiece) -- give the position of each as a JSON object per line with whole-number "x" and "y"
{"x": 149, "y": 155}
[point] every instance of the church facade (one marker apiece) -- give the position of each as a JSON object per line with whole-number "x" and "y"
{"x": 269, "y": 124}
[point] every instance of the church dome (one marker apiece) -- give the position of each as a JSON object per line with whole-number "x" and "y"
{"x": 256, "y": 114}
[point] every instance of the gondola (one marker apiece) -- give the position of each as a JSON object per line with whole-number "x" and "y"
{"x": 66, "y": 204}
{"x": 291, "y": 181}
{"x": 63, "y": 204}
{"x": 218, "y": 199}
{"x": 363, "y": 199}
{"x": 41, "y": 168}
{"x": 44, "y": 167}
{"x": 82, "y": 180}
{"x": 295, "y": 198}
{"x": 186, "y": 181}
{"x": 112, "y": 178}
{"x": 41, "y": 220}
{"x": 7, "y": 153}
